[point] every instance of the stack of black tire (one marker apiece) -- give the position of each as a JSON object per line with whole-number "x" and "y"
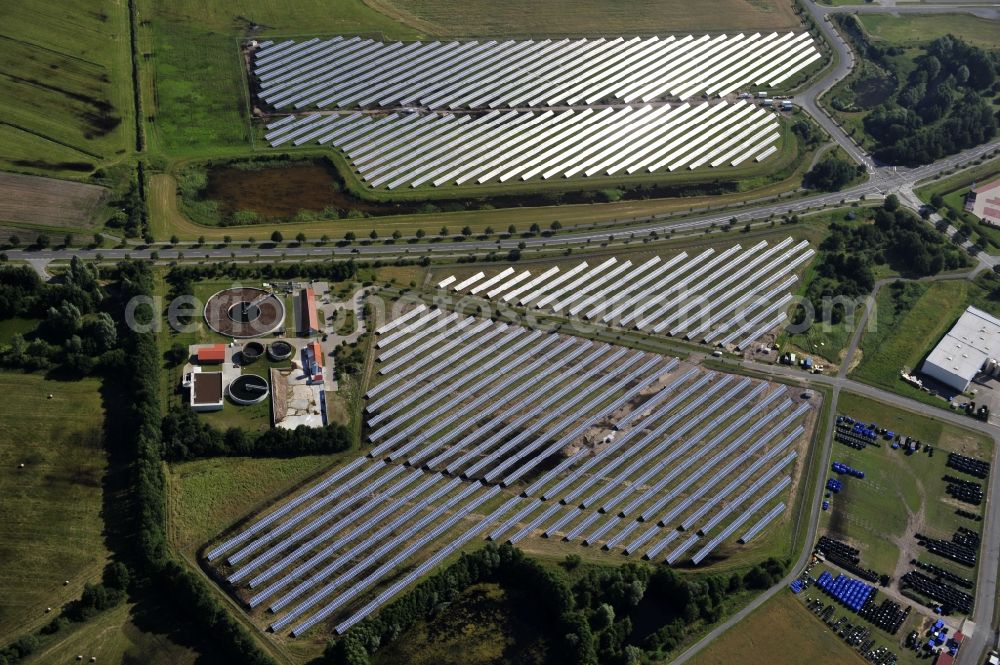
{"x": 964, "y": 490}
{"x": 942, "y": 574}
{"x": 889, "y": 615}
{"x": 845, "y": 556}
{"x": 950, "y": 598}
{"x": 966, "y": 537}
{"x": 970, "y": 465}
{"x": 949, "y": 550}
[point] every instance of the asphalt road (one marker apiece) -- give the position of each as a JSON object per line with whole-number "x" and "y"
{"x": 884, "y": 180}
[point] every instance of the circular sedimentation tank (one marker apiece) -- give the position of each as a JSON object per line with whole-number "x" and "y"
{"x": 280, "y": 350}
{"x": 244, "y": 312}
{"x": 248, "y": 389}
{"x": 252, "y": 351}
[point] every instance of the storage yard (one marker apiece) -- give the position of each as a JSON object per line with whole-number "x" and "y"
{"x": 529, "y": 435}
{"x": 900, "y": 529}
{"x": 729, "y": 298}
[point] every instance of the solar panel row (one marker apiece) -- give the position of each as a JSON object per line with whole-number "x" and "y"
{"x": 354, "y": 72}
{"x": 441, "y": 148}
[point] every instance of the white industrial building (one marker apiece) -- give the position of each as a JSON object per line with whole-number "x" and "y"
{"x": 970, "y": 347}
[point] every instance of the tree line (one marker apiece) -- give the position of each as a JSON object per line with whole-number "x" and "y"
{"x": 186, "y": 437}
{"x": 76, "y": 333}
{"x": 183, "y": 590}
{"x": 591, "y": 620}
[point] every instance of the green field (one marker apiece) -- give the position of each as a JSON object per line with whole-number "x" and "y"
{"x": 780, "y": 632}
{"x": 193, "y": 84}
{"x": 481, "y": 18}
{"x": 900, "y": 494}
{"x": 52, "y": 529}
{"x": 65, "y": 91}
{"x": 953, "y": 190}
{"x": 208, "y": 496}
{"x": 114, "y": 636}
{"x": 485, "y": 625}
{"x": 915, "y": 29}
{"x": 902, "y": 341}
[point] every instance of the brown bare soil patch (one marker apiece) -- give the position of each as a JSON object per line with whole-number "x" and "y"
{"x": 26, "y": 199}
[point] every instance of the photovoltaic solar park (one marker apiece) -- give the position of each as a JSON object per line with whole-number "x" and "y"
{"x": 486, "y": 430}
{"x": 729, "y": 297}
{"x": 362, "y": 73}
{"x": 457, "y": 113}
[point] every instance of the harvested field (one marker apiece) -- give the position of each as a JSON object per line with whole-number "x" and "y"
{"x": 481, "y": 18}
{"x": 26, "y": 199}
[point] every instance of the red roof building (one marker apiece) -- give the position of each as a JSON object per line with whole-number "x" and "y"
{"x": 212, "y": 355}
{"x": 983, "y": 201}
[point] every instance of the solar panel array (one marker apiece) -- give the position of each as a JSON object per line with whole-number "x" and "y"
{"x": 728, "y": 297}
{"x": 352, "y": 72}
{"x": 456, "y": 149}
{"x": 510, "y": 434}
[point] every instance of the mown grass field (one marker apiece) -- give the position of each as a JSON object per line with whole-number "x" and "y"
{"x": 52, "y": 528}
{"x": 114, "y": 636}
{"x": 193, "y": 83}
{"x": 481, "y": 18}
{"x": 484, "y": 625}
{"x": 900, "y": 494}
{"x": 208, "y": 496}
{"x": 780, "y": 632}
{"x": 916, "y": 29}
{"x": 65, "y": 91}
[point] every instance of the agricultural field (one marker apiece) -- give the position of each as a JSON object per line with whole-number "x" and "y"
{"x": 479, "y": 18}
{"x": 916, "y": 29}
{"x": 65, "y": 93}
{"x": 120, "y": 635}
{"x": 53, "y": 529}
{"x": 45, "y": 204}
